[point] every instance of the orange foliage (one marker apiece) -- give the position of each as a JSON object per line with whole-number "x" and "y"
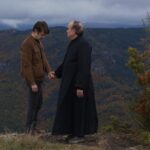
{"x": 142, "y": 108}
{"x": 144, "y": 79}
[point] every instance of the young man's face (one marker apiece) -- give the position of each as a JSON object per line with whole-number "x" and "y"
{"x": 39, "y": 35}
{"x": 70, "y": 32}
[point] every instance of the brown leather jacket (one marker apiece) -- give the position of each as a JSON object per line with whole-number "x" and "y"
{"x": 34, "y": 63}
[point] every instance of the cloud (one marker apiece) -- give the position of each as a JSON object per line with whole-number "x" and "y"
{"x": 13, "y": 22}
{"x": 61, "y": 11}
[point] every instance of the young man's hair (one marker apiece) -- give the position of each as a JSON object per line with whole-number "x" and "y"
{"x": 41, "y": 26}
{"x": 78, "y": 27}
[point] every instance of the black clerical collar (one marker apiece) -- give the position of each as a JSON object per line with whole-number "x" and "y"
{"x": 79, "y": 36}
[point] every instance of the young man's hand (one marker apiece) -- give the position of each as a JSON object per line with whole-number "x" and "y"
{"x": 51, "y": 75}
{"x": 34, "y": 88}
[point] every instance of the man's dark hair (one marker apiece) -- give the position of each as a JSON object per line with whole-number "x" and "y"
{"x": 41, "y": 26}
{"x": 78, "y": 27}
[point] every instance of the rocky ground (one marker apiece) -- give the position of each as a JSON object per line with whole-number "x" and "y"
{"x": 45, "y": 141}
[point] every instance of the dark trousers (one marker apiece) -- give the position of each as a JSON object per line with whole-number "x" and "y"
{"x": 34, "y": 105}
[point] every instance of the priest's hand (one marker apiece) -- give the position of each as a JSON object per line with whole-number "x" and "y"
{"x": 80, "y": 93}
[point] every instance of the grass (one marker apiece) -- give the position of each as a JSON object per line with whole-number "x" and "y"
{"x": 144, "y": 137}
{"x": 25, "y": 142}
{"x": 101, "y": 141}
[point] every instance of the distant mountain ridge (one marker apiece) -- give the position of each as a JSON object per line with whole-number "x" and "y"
{"x": 87, "y": 24}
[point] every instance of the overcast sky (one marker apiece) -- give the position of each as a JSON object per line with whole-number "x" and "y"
{"x": 16, "y": 12}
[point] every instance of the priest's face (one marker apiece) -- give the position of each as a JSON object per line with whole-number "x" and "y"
{"x": 70, "y": 31}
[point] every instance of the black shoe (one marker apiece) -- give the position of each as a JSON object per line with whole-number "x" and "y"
{"x": 68, "y": 138}
{"x": 76, "y": 140}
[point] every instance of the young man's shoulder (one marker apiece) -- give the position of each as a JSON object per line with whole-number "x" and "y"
{"x": 28, "y": 41}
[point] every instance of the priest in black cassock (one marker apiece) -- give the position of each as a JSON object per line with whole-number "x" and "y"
{"x": 76, "y": 114}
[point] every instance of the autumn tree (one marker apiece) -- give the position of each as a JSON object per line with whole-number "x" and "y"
{"x": 139, "y": 63}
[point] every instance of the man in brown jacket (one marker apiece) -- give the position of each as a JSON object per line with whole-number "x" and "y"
{"x": 34, "y": 65}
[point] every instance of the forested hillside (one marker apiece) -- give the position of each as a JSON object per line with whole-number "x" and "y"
{"x": 114, "y": 83}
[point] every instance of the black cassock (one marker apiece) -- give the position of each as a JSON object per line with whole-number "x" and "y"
{"x": 74, "y": 115}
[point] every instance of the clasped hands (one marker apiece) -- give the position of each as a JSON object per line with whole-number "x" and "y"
{"x": 51, "y": 75}
{"x": 79, "y": 92}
